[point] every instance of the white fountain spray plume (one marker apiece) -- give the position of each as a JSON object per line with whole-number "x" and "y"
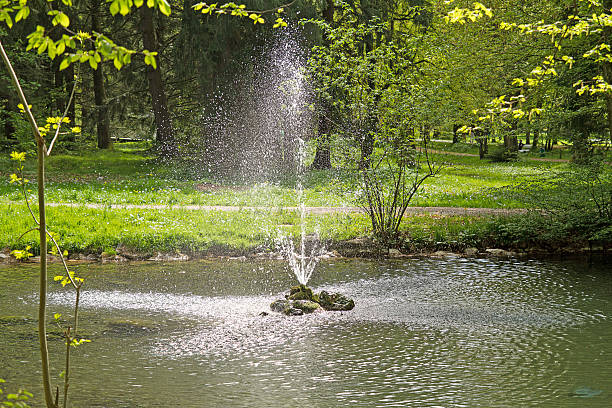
{"x": 302, "y": 263}
{"x": 256, "y": 134}
{"x": 296, "y": 122}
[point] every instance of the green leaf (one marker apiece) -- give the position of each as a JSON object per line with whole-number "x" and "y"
{"x": 124, "y": 8}
{"x": 63, "y": 19}
{"x": 93, "y": 63}
{"x": 150, "y": 60}
{"x": 7, "y": 18}
{"x": 23, "y": 13}
{"x": 114, "y": 7}
{"x": 51, "y": 50}
{"x": 43, "y": 46}
{"x": 164, "y": 7}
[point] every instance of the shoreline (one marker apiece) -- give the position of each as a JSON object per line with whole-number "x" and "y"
{"x": 339, "y": 250}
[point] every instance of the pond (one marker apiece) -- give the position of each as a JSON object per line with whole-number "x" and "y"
{"x": 424, "y": 333}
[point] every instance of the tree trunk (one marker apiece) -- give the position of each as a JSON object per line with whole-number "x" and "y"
{"x": 536, "y": 135}
{"x": 102, "y": 119}
{"x": 42, "y": 230}
{"x": 322, "y": 158}
{"x": 456, "y": 133}
{"x": 166, "y": 144}
{"x": 510, "y": 143}
{"x": 527, "y": 135}
{"x": 69, "y": 80}
{"x": 481, "y": 150}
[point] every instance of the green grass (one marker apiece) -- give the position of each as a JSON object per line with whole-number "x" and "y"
{"x": 84, "y": 230}
{"x": 470, "y": 182}
{"x": 117, "y": 177}
{"x": 128, "y": 175}
{"x": 196, "y": 232}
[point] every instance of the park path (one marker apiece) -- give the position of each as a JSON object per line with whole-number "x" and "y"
{"x": 309, "y": 210}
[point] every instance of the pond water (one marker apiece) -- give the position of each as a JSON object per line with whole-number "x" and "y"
{"x": 424, "y": 333}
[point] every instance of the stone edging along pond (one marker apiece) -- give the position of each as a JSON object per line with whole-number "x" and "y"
{"x": 355, "y": 248}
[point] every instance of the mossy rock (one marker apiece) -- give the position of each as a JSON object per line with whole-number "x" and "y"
{"x": 335, "y": 301}
{"x": 302, "y": 292}
{"x": 301, "y": 300}
{"x": 280, "y": 306}
{"x": 307, "y": 306}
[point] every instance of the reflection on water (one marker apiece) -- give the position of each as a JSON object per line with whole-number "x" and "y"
{"x": 424, "y": 333}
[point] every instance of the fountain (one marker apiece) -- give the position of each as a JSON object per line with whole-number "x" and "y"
{"x": 279, "y": 120}
{"x": 295, "y": 122}
{"x": 261, "y": 132}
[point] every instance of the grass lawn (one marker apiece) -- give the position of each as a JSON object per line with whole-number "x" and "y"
{"x": 96, "y": 230}
{"x": 86, "y": 230}
{"x": 129, "y": 177}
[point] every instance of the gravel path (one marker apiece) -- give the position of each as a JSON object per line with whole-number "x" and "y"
{"x": 309, "y": 210}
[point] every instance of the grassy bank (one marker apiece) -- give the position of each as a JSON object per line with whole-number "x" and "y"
{"x": 204, "y": 233}
{"x": 132, "y": 177}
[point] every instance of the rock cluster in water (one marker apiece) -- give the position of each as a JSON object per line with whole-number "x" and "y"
{"x": 302, "y": 300}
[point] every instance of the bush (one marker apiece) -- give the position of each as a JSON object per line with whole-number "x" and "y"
{"x": 572, "y": 207}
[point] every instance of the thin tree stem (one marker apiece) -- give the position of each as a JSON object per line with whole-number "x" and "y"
{"x": 59, "y": 125}
{"x": 42, "y": 306}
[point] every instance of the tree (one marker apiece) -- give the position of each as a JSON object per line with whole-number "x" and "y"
{"x": 322, "y": 158}
{"x": 159, "y": 102}
{"x": 378, "y": 93}
{"x": 99, "y": 88}
{"x": 577, "y": 34}
{"x": 102, "y": 48}
{"x": 72, "y": 47}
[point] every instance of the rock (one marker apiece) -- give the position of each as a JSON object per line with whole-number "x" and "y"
{"x": 238, "y": 258}
{"x": 113, "y": 259}
{"x": 264, "y": 314}
{"x": 301, "y": 292}
{"x": 335, "y": 301}
{"x": 301, "y": 300}
{"x": 281, "y": 306}
{"x": 128, "y": 253}
{"x": 168, "y": 257}
{"x": 471, "y": 251}
{"x": 295, "y": 312}
{"x": 306, "y": 306}
{"x": 360, "y": 247}
{"x": 500, "y": 252}
{"x": 293, "y": 307}
{"x": 395, "y": 253}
